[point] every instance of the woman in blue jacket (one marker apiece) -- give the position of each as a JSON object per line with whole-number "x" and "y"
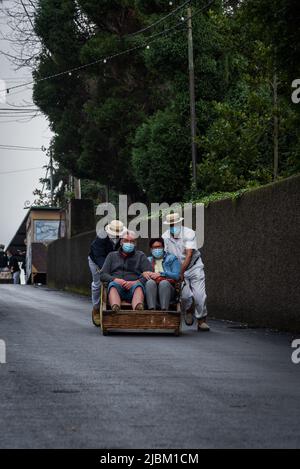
{"x": 160, "y": 286}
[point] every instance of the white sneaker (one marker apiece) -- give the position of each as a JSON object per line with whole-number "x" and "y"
{"x": 203, "y": 326}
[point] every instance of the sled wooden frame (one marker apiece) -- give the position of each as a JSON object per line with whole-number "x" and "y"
{"x": 138, "y": 321}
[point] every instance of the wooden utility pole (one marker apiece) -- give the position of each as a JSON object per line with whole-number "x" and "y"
{"x": 192, "y": 95}
{"x": 276, "y": 126}
{"x": 51, "y": 179}
{"x": 77, "y": 188}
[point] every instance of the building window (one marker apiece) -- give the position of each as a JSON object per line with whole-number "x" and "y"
{"x": 46, "y": 230}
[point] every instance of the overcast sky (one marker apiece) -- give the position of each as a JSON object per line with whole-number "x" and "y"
{"x": 17, "y": 188}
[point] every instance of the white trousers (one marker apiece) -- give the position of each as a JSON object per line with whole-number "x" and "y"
{"x": 96, "y": 284}
{"x": 194, "y": 287}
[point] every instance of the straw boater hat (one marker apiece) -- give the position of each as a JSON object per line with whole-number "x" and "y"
{"x": 173, "y": 219}
{"x": 116, "y": 228}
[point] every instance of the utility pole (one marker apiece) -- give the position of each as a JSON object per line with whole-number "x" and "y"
{"x": 51, "y": 178}
{"x": 70, "y": 183}
{"x": 77, "y": 188}
{"x": 276, "y": 126}
{"x": 192, "y": 95}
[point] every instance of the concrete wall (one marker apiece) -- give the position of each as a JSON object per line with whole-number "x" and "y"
{"x": 251, "y": 256}
{"x": 80, "y": 217}
{"x": 67, "y": 263}
{"x": 251, "y": 253}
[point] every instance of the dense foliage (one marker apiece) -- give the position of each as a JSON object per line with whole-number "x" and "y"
{"x": 126, "y": 123}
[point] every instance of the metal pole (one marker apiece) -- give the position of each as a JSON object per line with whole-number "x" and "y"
{"x": 77, "y": 188}
{"x": 192, "y": 95}
{"x": 276, "y": 126}
{"x": 51, "y": 178}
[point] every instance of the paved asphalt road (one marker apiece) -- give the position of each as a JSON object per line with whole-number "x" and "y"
{"x": 66, "y": 386}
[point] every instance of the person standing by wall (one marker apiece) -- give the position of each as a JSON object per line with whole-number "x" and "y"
{"x": 14, "y": 267}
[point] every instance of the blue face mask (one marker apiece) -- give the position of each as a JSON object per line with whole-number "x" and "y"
{"x": 128, "y": 247}
{"x": 175, "y": 230}
{"x": 157, "y": 253}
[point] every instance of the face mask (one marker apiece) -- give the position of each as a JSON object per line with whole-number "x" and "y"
{"x": 128, "y": 247}
{"x": 157, "y": 253}
{"x": 175, "y": 230}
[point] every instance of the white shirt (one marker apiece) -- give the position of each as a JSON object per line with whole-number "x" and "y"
{"x": 114, "y": 240}
{"x": 178, "y": 244}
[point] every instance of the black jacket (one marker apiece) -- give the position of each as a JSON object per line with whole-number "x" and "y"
{"x": 3, "y": 260}
{"x": 14, "y": 264}
{"x": 100, "y": 248}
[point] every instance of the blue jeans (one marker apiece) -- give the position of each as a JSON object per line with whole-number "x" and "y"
{"x": 96, "y": 284}
{"x": 125, "y": 295}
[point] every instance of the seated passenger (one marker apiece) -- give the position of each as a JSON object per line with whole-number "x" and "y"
{"x": 123, "y": 271}
{"x": 160, "y": 286}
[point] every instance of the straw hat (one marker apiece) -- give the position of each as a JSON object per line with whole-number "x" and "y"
{"x": 116, "y": 228}
{"x": 173, "y": 219}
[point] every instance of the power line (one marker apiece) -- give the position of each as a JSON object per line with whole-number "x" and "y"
{"x": 106, "y": 59}
{"x": 19, "y": 121}
{"x": 25, "y": 119}
{"x": 18, "y": 91}
{"x": 17, "y": 147}
{"x": 24, "y": 105}
{"x": 172, "y": 13}
{"x": 20, "y": 170}
{"x": 20, "y": 106}
{"x": 18, "y": 109}
{"x": 18, "y": 112}
{"x": 24, "y": 77}
{"x": 23, "y": 115}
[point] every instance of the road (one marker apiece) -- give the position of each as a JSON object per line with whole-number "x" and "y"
{"x": 66, "y": 386}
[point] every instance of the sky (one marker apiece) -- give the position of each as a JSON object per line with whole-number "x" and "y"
{"x": 16, "y": 188}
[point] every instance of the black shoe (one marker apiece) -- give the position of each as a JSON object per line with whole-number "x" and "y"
{"x": 189, "y": 315}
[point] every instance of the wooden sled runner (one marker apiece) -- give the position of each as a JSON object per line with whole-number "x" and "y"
{"x": 138, "y": 321}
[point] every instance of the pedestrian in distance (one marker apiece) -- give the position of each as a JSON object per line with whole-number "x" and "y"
{"x": 13, "y": 264}
{"x": 3, "y": 258}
